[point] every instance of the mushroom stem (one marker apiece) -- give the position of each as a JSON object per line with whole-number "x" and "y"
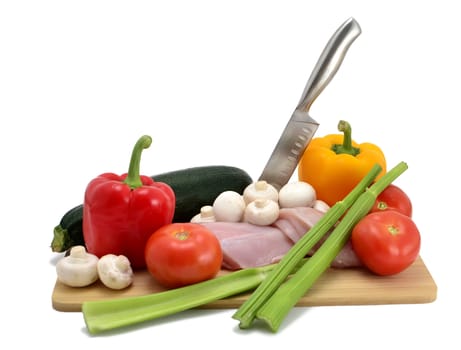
{"x": 260, "y": 189}
{"x": 261, "y": 212}
{"x": 78, "y": 269}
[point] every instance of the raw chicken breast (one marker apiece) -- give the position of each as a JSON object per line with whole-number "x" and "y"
{"x": 246, "y": 245}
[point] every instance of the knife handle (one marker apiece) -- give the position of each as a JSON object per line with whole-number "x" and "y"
{"x": 329, "y": 62}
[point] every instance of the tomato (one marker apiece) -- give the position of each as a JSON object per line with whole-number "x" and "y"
{"x": 180, "y": 254}
{"x": 393, "y": 198}
{"x": 386, "y": 242}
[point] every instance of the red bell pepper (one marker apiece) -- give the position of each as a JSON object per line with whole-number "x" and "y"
{"x": 120, "y": 212}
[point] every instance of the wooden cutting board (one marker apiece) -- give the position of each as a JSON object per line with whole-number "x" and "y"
{"x": 354, "y": 286}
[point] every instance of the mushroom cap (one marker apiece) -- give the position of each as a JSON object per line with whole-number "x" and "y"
{"x": 206, "y": 215}
{"x": 115, "y": 271}
{"x": 229, "y": 206}
{"x": 261, "y": 212}
{"x": 297, "y": 194}
{"x": 78, "y": 269}
{"x": 260, "y": 189}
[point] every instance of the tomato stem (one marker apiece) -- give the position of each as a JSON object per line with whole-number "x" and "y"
{"x": 393, "y": 230}
{"x": 381, "y": 205}
{"x": 182, "y": 235}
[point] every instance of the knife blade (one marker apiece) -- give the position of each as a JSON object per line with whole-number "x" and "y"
{"x": 301, "y": 127}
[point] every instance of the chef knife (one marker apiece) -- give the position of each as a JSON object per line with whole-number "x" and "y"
{"x": 301, "y": 127}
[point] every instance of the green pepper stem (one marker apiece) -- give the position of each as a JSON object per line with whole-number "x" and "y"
{"x": 346, "y": 147}
{"x": 133, "y": 178}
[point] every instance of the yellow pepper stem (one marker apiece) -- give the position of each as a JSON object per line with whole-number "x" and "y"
{"x": 346, "y": 147}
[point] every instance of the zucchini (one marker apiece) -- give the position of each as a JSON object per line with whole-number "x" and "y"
{"x": 199, "y": 186}
{"x": 69, "y": 232}
{"x": 193, "y": 187}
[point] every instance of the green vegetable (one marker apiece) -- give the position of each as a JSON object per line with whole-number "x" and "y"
{"x": 194, "y": 188}
{"x": 69, "y": 232}
{"x": 247, "y": 311}
{"x": 199, "y": 186}
{"x": 106, "y": 315}
{"x": 277, "y": 306}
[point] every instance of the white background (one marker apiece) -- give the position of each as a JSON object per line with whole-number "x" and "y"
{"x": 214, "y": 83}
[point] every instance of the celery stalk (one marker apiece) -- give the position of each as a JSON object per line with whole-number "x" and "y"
{"x": 247, "y": 311}
{"x": 274, "y": 310}
{"x": 106, "y": 315}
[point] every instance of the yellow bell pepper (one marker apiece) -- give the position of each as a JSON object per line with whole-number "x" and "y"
{"x": 334, "y": 164}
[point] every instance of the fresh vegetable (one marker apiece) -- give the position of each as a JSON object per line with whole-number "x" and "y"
{"x": 229, "y": 206}
{"x": 180, "y": 254}
{"x": 115, "y": 271}
{"x": 393, "y": 198}
{"x": 199, "y": 186}
{"x": 78, "y": 269}
{"x": 334, "y": 164}
{"x": 120, "y": 212}
{"x": 321, "y": 206}
{"x": 69, "y": 232}
{"x": 247, "y": 311}
{"x": 262, "y": 212}
{"x": 278, "y": 305}
{"x": 274, "y": 298}
{"x": 105, "y": 315}
{"x": 193, "y": 187}
{"x": 206, "y": 215}
{"x": 297, "y": 194}
{"x": 386, "y": 242}
{"x": 260, "y": 190}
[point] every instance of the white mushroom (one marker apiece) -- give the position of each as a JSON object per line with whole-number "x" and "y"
{"x": 321, "y": 206}
{"x": 297, "y": 194}
{"x": 260, "y": 190}
{"x": 78, "y": 269}
{"x": 261, "y": 212}
{"x": 206, "y": 215}
{"x": 229, "y": 207}
{"x": 115, "y": 271}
